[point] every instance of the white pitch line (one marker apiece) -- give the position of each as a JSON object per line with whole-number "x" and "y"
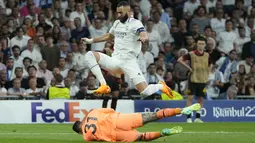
{"x": 217, "y": 132}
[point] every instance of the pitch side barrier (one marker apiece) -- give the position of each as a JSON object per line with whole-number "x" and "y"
{"x": 68, "y": 111}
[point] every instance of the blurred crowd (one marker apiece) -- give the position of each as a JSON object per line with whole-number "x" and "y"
{"x": 40, "y": 40}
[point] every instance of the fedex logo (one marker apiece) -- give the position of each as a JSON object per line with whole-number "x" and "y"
{"x": 67, "y": 114}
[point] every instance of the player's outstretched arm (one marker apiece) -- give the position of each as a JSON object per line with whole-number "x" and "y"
{"x": 143, "y": 37}
{"x": 105, "y": 37}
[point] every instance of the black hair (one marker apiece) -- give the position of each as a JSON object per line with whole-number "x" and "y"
{"x": 150, "y": 20}
{"x": 83, "y": 83}
{"x": 156, "y": 12}
{"x": 27, "y": 58}
{"x": 199, "y": 7}
{"x": 72, "y": 70}
{"x": 58, "y": 78}
{"x": 240, "y": 27}
{"x": 232, "y": 51}
{"x": 208, "y": 27}
{"x": 152, "y": 64}
{"x": 19, "y": 29}
{"x": 48, "y": 36}
{"x": 200, "y": 38}
{"x": 76, "y": 127}
{"x": 123, "y": 3}
{"x": 18, "y": 68}
{"x": 61, "y": 58}
{"x": 31, "y": 66}
{"x": 228, "y": 20}
{"x": 78, "y": 1}
{"x": 15, "y": 47}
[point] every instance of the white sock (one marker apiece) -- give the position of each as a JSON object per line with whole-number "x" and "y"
{"x": 152, "y": 88}
{"x": 199, "y": 111}
{"x": 94, "y": 67}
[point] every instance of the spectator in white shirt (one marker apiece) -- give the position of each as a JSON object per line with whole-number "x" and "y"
{"x": 152, "y": 77}
{"x": 32, "y": 53}
{"x": 44, "y": 73}
{"x": 48, "y": 16}
{"x": 72, "y": 86}
{"x": 241, "y": 39}
{"x": 247, "y": 63}
{"x": 215, "y": 82}
{"x": 155, "y": 43}
{"x": 66, "y": 28}
{"x": 251, "y": 7}
{"x": 227, "y": 39}
{"x": 69, "y": 60}
{"x": 2, "y": 4}
{"x": 208, "y": 4}
{"x": 228, "y": 5}
{"x": 249, "y": 26}
{"x": 20, "y": 40}
{"x": 162, "y": 28}
{"x": 62, "y": 67}
{"x": 79, "y": 12}
{"x": 18, "y": 60}
{"x": 97, "y": 30}
{"x": 145, "y": 7}
{"x": 218, "y": 23}
{"x": 79, "y": 62}
{"x": 3, "y": 91}
{"x": 33, "y": 90}
{"x": 63, "y": 49}
{"x": 145, "y": 58}
{"x": 16, "y": 89}
{"x": 40, "y": 43}
{"x": 248, "y": 3}
{"x": 189, "y": 8}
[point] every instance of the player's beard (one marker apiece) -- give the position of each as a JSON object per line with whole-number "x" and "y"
{"x": 124, "y": 18}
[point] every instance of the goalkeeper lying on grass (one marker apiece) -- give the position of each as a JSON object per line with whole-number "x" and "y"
{"x": 105, "y": 124}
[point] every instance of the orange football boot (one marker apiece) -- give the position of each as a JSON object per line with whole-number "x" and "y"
{"x": 167, "y": 90}
{"x": 103, "y": 89}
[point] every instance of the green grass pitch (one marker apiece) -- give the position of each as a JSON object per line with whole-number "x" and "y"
{"x": 192, "y": 133}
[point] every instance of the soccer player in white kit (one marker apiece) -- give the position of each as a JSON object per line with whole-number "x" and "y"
{"x": 128, "y": 34}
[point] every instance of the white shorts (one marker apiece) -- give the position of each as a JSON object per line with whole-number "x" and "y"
{"x": 128, "y": 67}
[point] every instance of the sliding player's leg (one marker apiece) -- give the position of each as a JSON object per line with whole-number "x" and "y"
{"x": 127, "y": 136}
{"x": 94, "y": 59}
{"x": 134, "y": 120}
{"x": 134, "y": 135}
{"x": 149, "y": 136}
{"x": 132, "y": 69}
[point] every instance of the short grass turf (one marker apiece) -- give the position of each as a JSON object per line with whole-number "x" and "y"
{"x": 192, "y": 133}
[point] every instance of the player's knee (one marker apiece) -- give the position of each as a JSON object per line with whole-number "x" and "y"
{"x": 88, "y": 55}
{"x": 142, "y": 87}
{"x": 92, "y": 56}
{"x": 145, "y": 91}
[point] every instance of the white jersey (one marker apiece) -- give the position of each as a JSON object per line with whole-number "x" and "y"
{"x": 126, "y": 35}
